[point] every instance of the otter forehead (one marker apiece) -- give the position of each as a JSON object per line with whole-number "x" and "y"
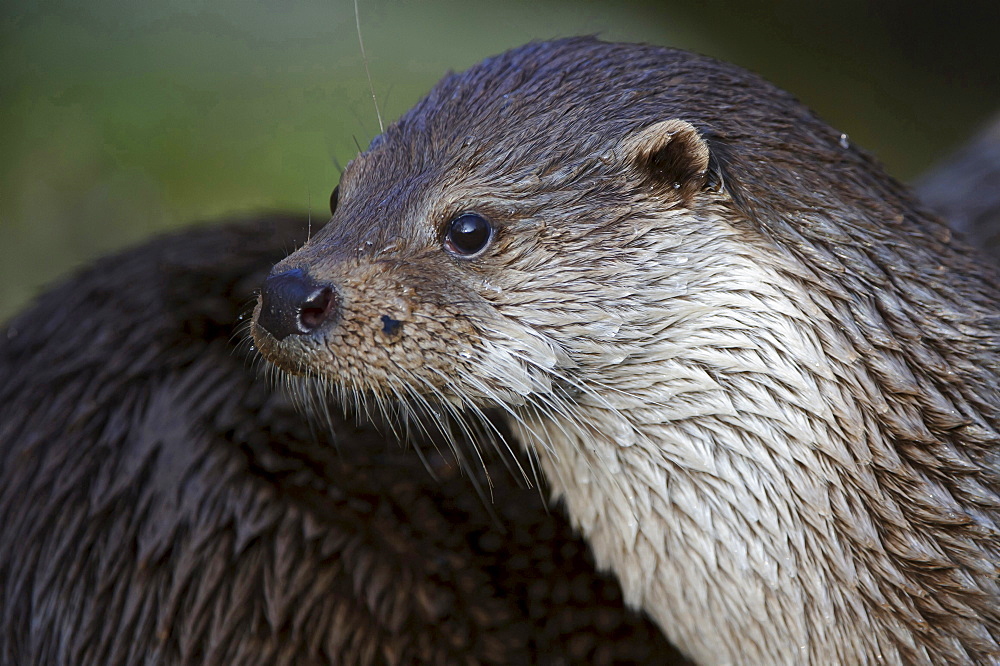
{"x": 536, "y": 125}
{"x": 570, "y": 98}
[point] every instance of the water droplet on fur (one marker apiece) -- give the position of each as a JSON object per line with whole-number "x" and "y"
{"x": 633, "y": 528}
{"x": 682, "y": 259}
{"x": 253, "y": 348}
{"x": 492, "y": 287}
{"x": 844, "y": 143}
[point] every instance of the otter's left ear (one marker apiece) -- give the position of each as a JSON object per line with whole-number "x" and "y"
{"x": 671, "y": 154}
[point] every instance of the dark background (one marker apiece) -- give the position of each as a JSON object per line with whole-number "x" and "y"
{"x": 119, "y": 119}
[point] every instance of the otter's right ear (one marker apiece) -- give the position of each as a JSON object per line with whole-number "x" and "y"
{"x": 673, "y": 155}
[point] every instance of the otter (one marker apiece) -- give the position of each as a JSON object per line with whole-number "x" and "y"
{"x": 763, "y": 379}
{"x": 161, "y": 503}
{"x": 965, "y": 190}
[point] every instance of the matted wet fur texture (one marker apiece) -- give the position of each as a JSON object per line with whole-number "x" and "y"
{"x": 762, "y": 377}
{"x": 160, "y": 503}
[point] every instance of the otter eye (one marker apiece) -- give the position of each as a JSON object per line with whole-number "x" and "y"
{"x": 468, "y": 234}
{"x": 333, "y": 199}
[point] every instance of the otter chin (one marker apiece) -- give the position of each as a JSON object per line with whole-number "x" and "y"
{"x": 762, "y": 378}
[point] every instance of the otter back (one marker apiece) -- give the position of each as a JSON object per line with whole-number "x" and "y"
{"x": 160, "y": 503}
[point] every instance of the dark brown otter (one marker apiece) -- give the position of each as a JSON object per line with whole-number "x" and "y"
{"x": 764, "y": 379}
{"x": 965, "y": 190}
{"x": 160, "y": 503}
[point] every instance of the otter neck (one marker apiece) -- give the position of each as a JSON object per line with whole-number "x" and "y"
{"x": 715, "y": 492}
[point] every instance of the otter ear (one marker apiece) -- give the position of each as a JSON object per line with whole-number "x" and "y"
{"x": 673, "y": 155}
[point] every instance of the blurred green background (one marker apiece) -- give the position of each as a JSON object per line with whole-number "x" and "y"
{"x": 118, "y": 120}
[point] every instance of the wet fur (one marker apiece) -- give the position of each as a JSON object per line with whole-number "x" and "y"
{"x": 770, "y": 400}
{"x": 161, "y": 503}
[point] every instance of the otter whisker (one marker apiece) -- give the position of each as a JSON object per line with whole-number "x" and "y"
{"x": 454, "y": 416}
{"x": 500, "y": 402}
{"x": 487, "y": 431}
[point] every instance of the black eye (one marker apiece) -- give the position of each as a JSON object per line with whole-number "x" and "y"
{"x": 333, "y": 199}
{"x": 468, "y": 234}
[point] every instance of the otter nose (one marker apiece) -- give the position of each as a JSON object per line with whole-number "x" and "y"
{"x": 291, "y": 303}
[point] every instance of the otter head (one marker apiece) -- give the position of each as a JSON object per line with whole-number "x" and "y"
{"x": 482, "y": 255}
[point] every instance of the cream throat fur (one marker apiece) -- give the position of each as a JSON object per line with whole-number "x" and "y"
{"x": 711, "y": 477}
{"x": 764, "y": 381}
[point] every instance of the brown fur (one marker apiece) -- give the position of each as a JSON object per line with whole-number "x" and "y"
{"x": 161, "y": 503}
{"x": 906, "y": 521}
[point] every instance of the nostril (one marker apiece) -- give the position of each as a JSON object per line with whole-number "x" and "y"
{"x": 291, "y": 303}
{"x": 316, "y": 309}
